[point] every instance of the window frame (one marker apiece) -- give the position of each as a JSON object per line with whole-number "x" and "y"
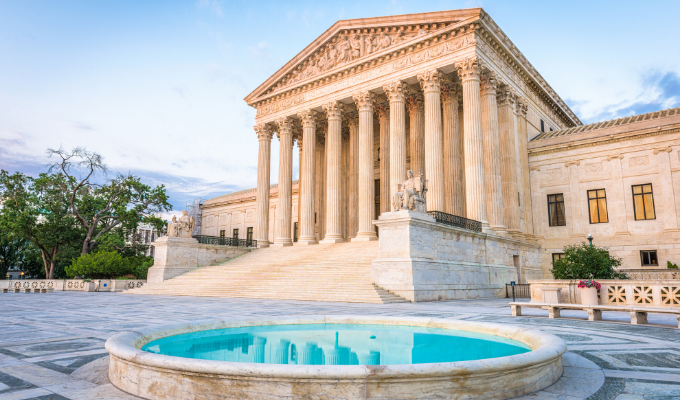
{"x": 555, "y": 202}
{"x": 235, "y": 234}
{"x": 632, "y": 189}
{"x": 249, "y": 234}
{"x": 596, "y": 198}
{"x": 558, "y": 258}
{"x": 648, "y": 252}
{"x": 223, "y": 233}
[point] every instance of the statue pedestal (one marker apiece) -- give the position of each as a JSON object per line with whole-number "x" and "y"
{"x": 423, "y": 260}
{"x": 173, "y": 256}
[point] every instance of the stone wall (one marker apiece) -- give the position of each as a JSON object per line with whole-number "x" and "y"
{"x": 422, "y": 260}
{"x": 175, "y": 256}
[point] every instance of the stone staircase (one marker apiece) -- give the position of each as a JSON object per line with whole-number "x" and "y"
{"x": 337, "y": 272}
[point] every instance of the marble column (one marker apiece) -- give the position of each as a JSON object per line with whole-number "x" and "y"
{"x": 307, "y": 174}
{"x": 453, "y": 171}
{"x": 617, "y": 201}
{"x": 508, "y": 146}
{"x": 344, "y": 222}
{"x": 383, "y": 112}
{"x": 430, "y": 81}
{"x": 264, "y": 137}
{"x": 366, "y": 230}
{"x": 353, "y": 125}
{"x": 333, "y": 112}
{"x": 475, "y": 187}
{"x": 284, "y": 210}
{"x": 298, "y": 140}
{"x": 396, "y": 94}
{"x": 461, "y": 130}
{"x": 669, "y": 212}
{"x": 575, "y": 200}
{"x": 523, "y": 176}
{"x": 320, "y": 184}
{"x": 492, "y": 156}
{"x": 416, "y": 110}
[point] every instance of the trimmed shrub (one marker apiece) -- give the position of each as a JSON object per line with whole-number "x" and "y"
{"x": 583, "y": 261}
{"x": 99, "y": 265}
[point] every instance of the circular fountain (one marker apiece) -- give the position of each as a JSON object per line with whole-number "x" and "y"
{"x": 345, "y": 357}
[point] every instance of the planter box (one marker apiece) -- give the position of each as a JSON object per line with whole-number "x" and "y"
{"x": 589, "y": 296}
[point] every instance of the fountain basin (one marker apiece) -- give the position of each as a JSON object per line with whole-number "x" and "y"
{"x": 158, "y": 376}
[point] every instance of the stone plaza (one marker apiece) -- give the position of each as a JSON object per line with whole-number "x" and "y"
{"x": 59, "y": 353}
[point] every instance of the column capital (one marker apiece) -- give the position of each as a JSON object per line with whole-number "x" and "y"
{"x": 307, "y": 118}
{"x": 333, "y": 109}
{"x": 396, "y": 91}
{"x": 468, "y": 69}
{"x": 345, "y": 135}
{"x": 488, "y": 82}
{"x": 321, "y": 135}
{"x": 383, "y": 110}
{"x": 285, "y": 125}
{"x": 665, "y": 149}
{"x": 450, "y": 92}
{"x": 430, "y": 80}
{"x": 505, "y": 95}
{"x": 522, "y": 106}
{"x": 350, "y": 118}
{"x": 263, "y": 131}
{"x": 364, "y": 101}
{"x": 415, "y": 102}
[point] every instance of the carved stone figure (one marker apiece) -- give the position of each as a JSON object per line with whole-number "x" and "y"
{"x": 411, "y": 194}
{"x": 181, "y": 227}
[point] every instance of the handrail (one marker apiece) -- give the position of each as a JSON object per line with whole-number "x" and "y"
{"x": 225, "y": 241}
{"x": 455, "y": 220}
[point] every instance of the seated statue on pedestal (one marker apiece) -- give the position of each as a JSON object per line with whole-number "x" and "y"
{"x": 181, "y": 227}
{"x": 410, "y": 194}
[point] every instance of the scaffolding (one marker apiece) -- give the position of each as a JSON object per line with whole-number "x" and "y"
{"x": 194, "y": 210}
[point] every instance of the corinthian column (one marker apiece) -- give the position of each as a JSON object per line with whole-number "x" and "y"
{"x": 468, "y": 71}
{"x": 434, "y": 157}
{"x": 307, "y": 176}
{"x": 364, "y": 102}
{"x": 453, "y": 169}
{"x": 264, "y": 136}
{"x": 383, "y": 112}
{"x": 353, "y": 125}
{"x": 333, "y": 173}
{"x": 492, "y": 156}
{"x": 416, "y": 109}
{"x": 285, "y": 207}
{"x": 506, "y": 125}
{"x": 396, "y": 94}
{"x": 524, "y": 178}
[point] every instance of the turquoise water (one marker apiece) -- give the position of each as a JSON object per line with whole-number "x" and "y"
{"x": 336, "y": 344}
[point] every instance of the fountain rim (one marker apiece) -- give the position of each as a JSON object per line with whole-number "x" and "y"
{"x": 545, "y": 348}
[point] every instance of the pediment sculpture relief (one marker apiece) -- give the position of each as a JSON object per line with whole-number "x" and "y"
{"x": 411, "y": 194}
{"x": 181, "y": 227}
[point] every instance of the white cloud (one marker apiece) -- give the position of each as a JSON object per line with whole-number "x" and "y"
{"x": 214, "y": 6}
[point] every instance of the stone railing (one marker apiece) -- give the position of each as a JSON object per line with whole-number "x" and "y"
{"x": 651, "y": 274}
{"x": 99, "y": 285}
{"x": 652, "y": 293}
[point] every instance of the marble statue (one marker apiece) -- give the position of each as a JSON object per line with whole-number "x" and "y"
{"x": 181, "y": 227}
{"x": 411, "y": 194}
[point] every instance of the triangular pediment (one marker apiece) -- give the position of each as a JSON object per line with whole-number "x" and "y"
{"x": 354, "y": 41}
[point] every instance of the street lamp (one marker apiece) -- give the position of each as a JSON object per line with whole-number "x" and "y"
{"x": 590, "y": 239}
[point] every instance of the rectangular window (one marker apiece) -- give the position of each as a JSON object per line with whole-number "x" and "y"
{"x": 557, "y": 256}
{"x": 542, "y": 126}
{"x": 648, "y": 258}
{"x": 597, "y": 206}
{"x": 249, "y": 235}
{"x": 235, "y": 234}
{"x": 295, "y": 233}
{"x": 556, "y": 210}
{"x": 222, "y": 234}
{"x": 643, "y": 200}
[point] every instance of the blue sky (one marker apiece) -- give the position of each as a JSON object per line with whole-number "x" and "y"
{"x": 157, "y": 87}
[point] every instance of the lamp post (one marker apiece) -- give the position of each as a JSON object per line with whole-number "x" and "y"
{"x": 590, "y": 239}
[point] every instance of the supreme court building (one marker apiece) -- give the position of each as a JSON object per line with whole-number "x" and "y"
{"x": 449, "y": 96}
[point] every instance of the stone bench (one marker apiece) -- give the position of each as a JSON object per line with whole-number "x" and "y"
{"x": 638, "y": 315}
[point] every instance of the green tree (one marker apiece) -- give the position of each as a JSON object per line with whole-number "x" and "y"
{"x": 583, "y": 261}
{"x": 12, "y": 250}
{"x": 118, "y": 204}
{"x": 36, "y": 209}
{"x": 100, "y": 265}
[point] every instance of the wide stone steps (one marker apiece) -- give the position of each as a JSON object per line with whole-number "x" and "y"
{"x": 338, "y": 272}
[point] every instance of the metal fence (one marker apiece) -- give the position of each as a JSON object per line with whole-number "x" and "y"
{"x": 522, "y": 290}
{"x": 454, "y": 220}
{"x": 225, "y": 241}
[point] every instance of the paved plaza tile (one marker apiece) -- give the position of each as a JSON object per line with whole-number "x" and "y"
{"x": 52, "y": 345}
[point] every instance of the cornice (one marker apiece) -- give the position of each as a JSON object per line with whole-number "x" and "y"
{"x": 602, "y": 140}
